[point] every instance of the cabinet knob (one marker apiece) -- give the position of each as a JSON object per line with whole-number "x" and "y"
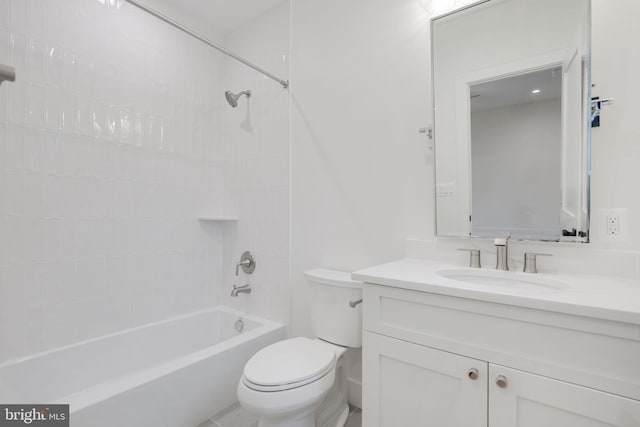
{"x": 501, "y": 381}
{"x": 473, "y": 374}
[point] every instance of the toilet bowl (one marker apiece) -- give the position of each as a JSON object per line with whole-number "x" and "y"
{"x": 302, "y": 382}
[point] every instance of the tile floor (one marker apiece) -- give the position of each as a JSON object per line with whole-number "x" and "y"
{"x": 236, "y": 416}
{"x": 355, "y": 417}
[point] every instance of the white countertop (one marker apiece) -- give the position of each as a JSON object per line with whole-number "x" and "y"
{"x": 590, "y": 296}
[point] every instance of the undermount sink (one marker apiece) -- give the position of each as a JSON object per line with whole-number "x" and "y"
{"x": 504, "y": 280}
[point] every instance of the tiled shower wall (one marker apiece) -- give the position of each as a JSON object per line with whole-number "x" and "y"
{"x": 257, "y": 145}
{"x": 109, "y": 148}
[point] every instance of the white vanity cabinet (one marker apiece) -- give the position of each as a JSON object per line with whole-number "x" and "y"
{"x": 528, "y": 400}
{"x": 407, "y": 384}
{"x": 438, "y": 360}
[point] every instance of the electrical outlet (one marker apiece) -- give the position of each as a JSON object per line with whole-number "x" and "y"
{"x": 614, "y": 225}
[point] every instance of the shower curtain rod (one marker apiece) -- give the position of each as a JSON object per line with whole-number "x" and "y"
{"x": 284, "y": 83}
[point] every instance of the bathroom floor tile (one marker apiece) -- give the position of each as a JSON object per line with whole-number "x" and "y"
{"x": 236, "y": 416}
{"x": 355, "y": 417}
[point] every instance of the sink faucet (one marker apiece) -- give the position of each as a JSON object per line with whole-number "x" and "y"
{"x": 502, "y": 259}
{"x": 244, "y": 289}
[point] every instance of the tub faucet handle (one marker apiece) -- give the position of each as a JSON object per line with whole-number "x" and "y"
{"x": 247, "y": 262}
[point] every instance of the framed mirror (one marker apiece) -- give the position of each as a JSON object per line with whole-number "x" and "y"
{"x": 511, "y": 88}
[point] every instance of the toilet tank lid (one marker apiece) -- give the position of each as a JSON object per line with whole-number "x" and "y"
{"x": 332, "y": 277}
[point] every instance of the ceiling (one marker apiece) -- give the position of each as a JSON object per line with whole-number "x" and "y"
{"x": 517, "y": 90}
{"x": 222, "y": 15}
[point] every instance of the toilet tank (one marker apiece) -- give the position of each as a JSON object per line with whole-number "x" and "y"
{"x": 332, "y": 318}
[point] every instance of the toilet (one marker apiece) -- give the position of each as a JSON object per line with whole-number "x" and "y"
{"x": 302, "y": 382}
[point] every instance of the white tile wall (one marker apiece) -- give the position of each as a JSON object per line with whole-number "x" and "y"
{"x": 258, "y": 146}
{"x": 110, "y": 144}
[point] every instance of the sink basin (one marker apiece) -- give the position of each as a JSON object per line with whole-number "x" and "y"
{"x": 504, "y": 280}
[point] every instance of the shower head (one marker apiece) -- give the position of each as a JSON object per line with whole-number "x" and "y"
{"x": 232, "y": 98}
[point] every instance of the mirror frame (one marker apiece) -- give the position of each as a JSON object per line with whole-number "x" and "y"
{"x": 587, "y": 105}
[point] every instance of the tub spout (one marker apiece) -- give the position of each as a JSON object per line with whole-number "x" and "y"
{"x": 244, "y": 289}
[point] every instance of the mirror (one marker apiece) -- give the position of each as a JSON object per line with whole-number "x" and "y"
{"x": 511, "y": 85}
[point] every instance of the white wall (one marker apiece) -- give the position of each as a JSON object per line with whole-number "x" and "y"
{"x": 108, "y": 150}
{"x": 615, "y": 148}
{"x": 361, "y": 178}
{"x": 256, "y": 146}
{"x": 361, "y": 173}
{"x": 515, "y": 162}
{"x": 183, "y": 14}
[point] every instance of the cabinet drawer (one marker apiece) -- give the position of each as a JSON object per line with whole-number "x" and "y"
{"x": 599, "y": 354}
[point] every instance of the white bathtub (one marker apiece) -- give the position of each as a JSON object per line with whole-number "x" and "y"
{"x": 174, "y": 373}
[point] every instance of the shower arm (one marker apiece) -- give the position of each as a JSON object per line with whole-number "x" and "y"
{"x": 7, "y": 73}
{"x": 136, "y": 3}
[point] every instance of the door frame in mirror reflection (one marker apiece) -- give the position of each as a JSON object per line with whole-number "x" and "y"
{"x": 574, "y": 174}
{"x": 576, "y": 92}
{"x": 463, "y": 130}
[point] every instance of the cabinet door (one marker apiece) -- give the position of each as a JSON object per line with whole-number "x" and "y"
{"x": 409, "y": 385}
{"x": 527, "y": 400}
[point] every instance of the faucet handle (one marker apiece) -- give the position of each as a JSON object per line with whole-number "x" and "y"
{"x": 474, "y": 257}
{"x": 501, "y": 241}
{"x": 247, "y": 262}
{"x": 530, "y": 265}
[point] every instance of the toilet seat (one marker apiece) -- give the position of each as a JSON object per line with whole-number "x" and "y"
{"x": 289, "y": 364}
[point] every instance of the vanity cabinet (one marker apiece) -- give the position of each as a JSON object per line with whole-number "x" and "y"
{"x": 410, "y": 385}
{"x": 438, "y": 360}
{"x": 528, "y": 400}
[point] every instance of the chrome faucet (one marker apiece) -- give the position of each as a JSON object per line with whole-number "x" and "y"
{"x": 502, "y": 258}
{"x": 244, "y": 289}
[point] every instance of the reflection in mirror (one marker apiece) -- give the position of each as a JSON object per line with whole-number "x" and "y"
{"x": 511, "y": 85}
{"x": 516, "y": 126}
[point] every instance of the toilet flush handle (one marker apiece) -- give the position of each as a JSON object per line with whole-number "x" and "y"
{"x": 353, "y": 304}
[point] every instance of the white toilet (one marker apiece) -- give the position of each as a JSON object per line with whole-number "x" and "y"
{"x": 301, "y": 382}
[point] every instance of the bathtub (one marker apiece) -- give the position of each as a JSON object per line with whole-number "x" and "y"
{"x": 173, "y": 373}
